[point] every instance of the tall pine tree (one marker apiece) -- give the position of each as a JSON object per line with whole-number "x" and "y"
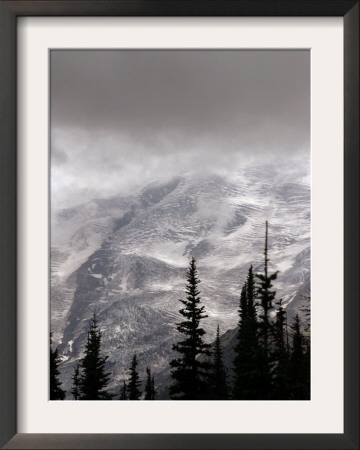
{"x": 306, "y": 312}
{"x": 150, "y": 392}
{"x": 123, "y": 393}
{"x": 219, "y": 386}
{"x": 94, "y": 378}
{"x": 189, "y": 372}
{"x": 56, "y": 392}
{"x": 299, "y": 364}
{"x": 247, "y": 361}
{"x": 76, "y": 382}
{"x": 280, "y": 356}
{"x": 134, "y": 382}
{"x": 266, "y": 296}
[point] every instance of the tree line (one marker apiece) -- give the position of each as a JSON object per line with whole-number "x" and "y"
{"x": 90, "y": 379}
{"x": 272, "y": 359}
{"x": 268, "y": 364}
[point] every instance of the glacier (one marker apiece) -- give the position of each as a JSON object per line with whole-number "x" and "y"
{"x": 126, "y": 259}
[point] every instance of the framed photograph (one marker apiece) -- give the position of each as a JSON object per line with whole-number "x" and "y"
{"x": 181, "y": 224}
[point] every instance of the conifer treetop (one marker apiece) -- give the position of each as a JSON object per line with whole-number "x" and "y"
{"x": 189, "y": 372}
{"x": 94, "y": 379}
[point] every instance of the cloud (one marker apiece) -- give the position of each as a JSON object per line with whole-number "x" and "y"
{"x": 122, "y": 118}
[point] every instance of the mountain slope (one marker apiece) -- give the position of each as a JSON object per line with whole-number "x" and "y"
{"x": 126, "y": 259}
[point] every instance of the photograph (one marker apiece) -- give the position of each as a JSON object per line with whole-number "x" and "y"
{"x": 180, "y": 224}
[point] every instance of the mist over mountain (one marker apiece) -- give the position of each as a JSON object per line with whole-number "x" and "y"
{"x": 126, "y": 257}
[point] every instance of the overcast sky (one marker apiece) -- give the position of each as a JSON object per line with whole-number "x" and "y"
{"x": 120, "y": 119}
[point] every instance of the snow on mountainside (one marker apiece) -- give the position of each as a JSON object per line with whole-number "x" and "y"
{"x": 126, "y": 258}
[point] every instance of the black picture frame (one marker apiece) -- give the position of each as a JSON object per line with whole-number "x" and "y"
{"x": 9, "y": 11}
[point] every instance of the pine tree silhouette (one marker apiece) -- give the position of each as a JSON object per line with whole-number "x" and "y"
{"x": 123, "y": 393}
{"x": 248, "y": 357}
{"x": 76, "y": 382}
{"x": 189, "y": 374}
{"x": 266, "y": 296}
{"x": 56, "y": 392}
{"x": 219, "y": 386}
{"x": 94, "y": 379}
{"x": 134, "y": 383}
{"x": 150, "y": 392}
{"x": 280, "y": 357}
{"x": 299, "y": 364}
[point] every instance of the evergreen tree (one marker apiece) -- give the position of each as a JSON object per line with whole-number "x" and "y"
{"x": 305, "y": 309}
{"x": 150, "y": 392}
{"x": 94, "y": 379}
{"x": 123, "y": 393}
{"x": 307, "y": 369}
{"x": 56, "y": 392}
{"x": 189, "y": 372}
{"x": 76, "y": 382}
{"x": 279, "y": 330}
{"x": 219, "y": 387}
{"x": 280, "y": 356}
{"x": 241, "y": 376}
{"x": 247, "y": 361}
{"x": 266, "y": 296}
{"x": 299, "y": 364}
{"x": 134, "y": 383}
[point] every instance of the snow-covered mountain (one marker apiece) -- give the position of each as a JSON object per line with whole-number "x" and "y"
{"x": 126, "y": 258}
